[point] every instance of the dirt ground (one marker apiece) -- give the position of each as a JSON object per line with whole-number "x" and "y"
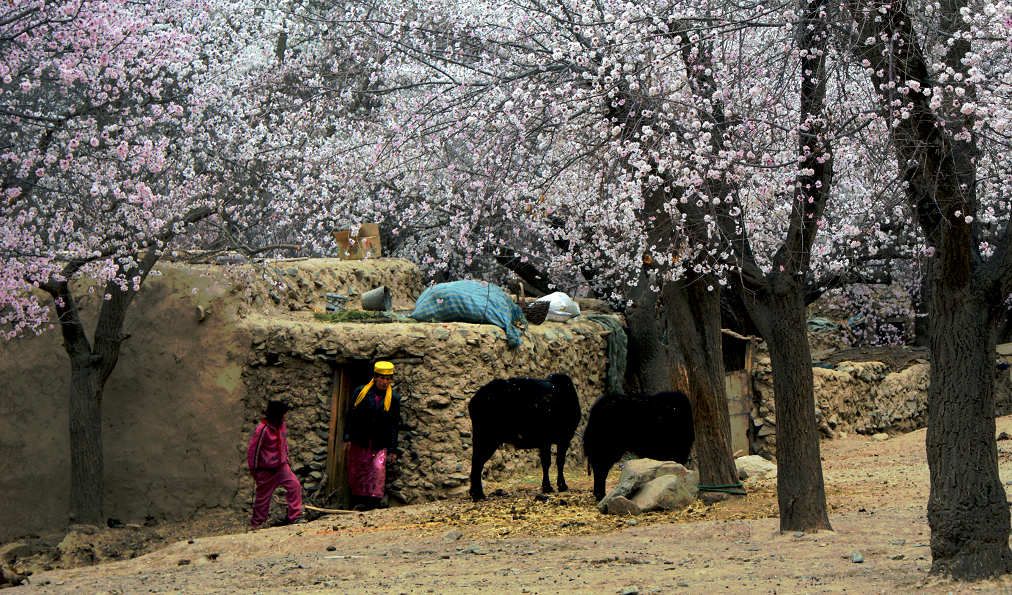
{"x": 515, "y": 542}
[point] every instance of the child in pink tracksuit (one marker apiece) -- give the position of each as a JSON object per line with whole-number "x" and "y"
{"x": 267, "y": 457}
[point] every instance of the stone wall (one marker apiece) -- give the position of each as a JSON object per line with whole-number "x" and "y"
{"x": 858, "y": 397}
{"x": 438, "y": 367}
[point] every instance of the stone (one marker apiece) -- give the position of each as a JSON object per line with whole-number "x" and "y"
{"x": 856, "y": 558}
{"x": 880, "y": 436}
{"x": 18, "y": 549}
{"x": 896, "y": 557}
{"x": 10, "y": 578}
{"x": 621, "y": 505}
{"x": 77, "y": 547}
{"x": 755, "y": 466}
{"x": 668, "y": 492}
{"x": 452, "y": 535}
{"x": 713, "y": 497}
{"x": 897, "y": 541}
{"x": 639, "y": 472}
{"x": 630, "y": 590}
{"x": 1004, "y": 436}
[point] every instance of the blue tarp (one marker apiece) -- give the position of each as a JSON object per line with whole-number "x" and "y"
{"x": 471, "y": 301}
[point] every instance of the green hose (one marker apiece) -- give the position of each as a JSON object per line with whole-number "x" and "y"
{"x": 732, "y": 488}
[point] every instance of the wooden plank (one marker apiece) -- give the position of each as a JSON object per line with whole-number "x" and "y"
{"x": 327, "y": 510}
{"x": 343, "y": 490}
{"x": 739, "y": 405}
{"x": 332, "y": 441}
{"x": 337, "y": 477}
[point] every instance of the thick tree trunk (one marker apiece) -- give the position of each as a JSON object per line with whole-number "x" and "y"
{"x": 801, "y": 490}
{"x": 967, "y": 511}
{"x": 677, "y": 333}
{"x": 87, "y": 475}
{"x": 651, "y": 366}
{"x": 692, "y": 315}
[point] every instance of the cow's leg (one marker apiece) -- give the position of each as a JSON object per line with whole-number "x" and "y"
{"x": 481, "y": 452}
{"x": 601, "y": 466}
{"x": 546, "y": 462}
{"x": 560, "y": 463}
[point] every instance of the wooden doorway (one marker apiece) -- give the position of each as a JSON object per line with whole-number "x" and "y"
{"x": 347, "y": 376}
{"x": 739, "y": 360}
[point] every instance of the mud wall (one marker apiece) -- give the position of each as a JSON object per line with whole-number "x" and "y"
{"x": 169, "y": 411}
{"x": 859, "y": 397}
{"x": 439, "y": 366}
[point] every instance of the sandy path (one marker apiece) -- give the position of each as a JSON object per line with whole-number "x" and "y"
{"x": 877, "y": 493}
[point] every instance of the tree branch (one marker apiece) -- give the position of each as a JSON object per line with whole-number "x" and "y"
{"x": 530, "y": 274}
{"x": 815, "y": 289}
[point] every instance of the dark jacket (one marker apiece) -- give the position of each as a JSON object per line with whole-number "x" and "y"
{"x": 369, "y": 425}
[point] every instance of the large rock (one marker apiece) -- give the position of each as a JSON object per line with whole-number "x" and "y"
{"x": 622, "y": 506}
{"x": 668, "y": 492}
{"x": 755, "y": 466}
{"x": 639, "y": 472}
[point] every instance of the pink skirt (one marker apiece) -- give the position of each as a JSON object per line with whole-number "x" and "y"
{"x": 367, "y": 471}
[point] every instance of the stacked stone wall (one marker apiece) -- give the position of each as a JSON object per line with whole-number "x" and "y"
{"x": 859, "y": 397}
{"x": 438, "y": 369}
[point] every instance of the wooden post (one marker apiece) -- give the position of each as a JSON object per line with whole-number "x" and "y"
{"x": 337, "y": 476}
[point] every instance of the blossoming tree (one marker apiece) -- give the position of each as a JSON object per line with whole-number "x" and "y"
{"x": 940, "y": 73}
{"x": 668, "y": 149}
{"x": 107, "y": 160}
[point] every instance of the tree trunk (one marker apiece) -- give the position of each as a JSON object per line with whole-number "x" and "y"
{"x": 921, "y": 305}
{"x": 967, "y": 511}
{"x": 676, "y": 333}
{"x": 651, "y": 365}
{"x": 90, "y": 367}
{"x": 801, "y": 490}
{"x": 87, "y": 478}
{"x": 692, "y": 315}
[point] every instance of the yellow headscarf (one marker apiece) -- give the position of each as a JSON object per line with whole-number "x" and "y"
{"x": 365, "y": 391}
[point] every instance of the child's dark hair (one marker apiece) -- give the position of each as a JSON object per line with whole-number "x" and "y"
{"x": 275, "y": 411}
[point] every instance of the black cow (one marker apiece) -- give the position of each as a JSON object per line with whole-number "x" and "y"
{"x": 649, "y": 426}
{"x": 527, "y": 413}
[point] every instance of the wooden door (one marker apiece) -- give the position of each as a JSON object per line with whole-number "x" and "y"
{"x": 337, "y": 475}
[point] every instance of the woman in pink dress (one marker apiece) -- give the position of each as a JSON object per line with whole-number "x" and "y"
{"x": 370, "y": 436}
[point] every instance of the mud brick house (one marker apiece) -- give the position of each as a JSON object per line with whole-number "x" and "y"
{"x": 210, "y": 345}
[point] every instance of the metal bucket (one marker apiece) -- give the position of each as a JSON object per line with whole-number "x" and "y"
{"x": 377, "y": 299}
